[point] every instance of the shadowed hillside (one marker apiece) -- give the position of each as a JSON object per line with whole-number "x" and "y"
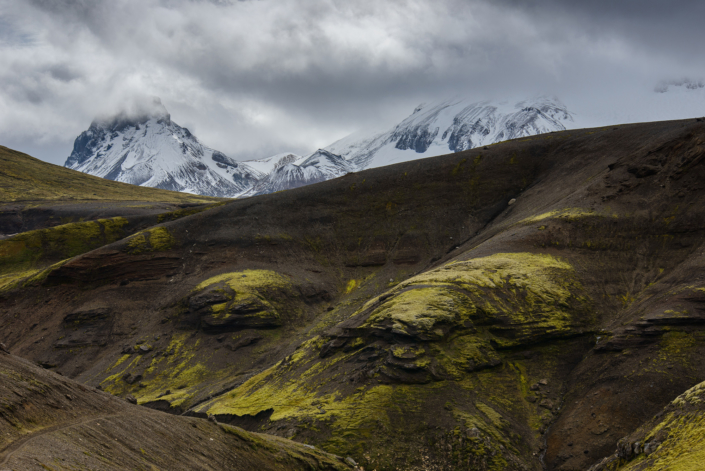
{"x": 50, "y": 422}
{"x": 528, "y": 303}
{"x": 36, "y": 195}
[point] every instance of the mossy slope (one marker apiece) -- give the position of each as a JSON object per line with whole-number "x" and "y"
{"x": 437, "y": 326}
{"x": 441, "y": 334}
{"x": 51, "y": 422}
{"x": 24, "y": 178}
{"x": 252, "y": 311}
{"x": 26, "y": 255}
{"x": 674, "y": 440}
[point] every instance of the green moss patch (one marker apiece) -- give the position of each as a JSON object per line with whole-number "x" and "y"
{"x": 173, "y": 375}
{"x": 568, "y": 214}
{"x": 674, "y": 443}
{"x": 245, "y": 299}
{"x": 527, "y": 298}
{"x": 436, "y": 336}
{"x": 157, "y": 239}
{"x": 30, "y": 249}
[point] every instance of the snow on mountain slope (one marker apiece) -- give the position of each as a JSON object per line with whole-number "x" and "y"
{"x": 266, "y": 166}
{"x": 144, "y": 147}
{"x": 453, "y": 126}
{"x": 317, "y": 167}
{"x": 441, "y": 128}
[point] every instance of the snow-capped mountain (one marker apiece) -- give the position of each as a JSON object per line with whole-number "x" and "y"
{"x": 436, "y": 129}
{"x": 266, "y": 166}
{"x": 144, "y": 147}
{"x": 292, "y": 173}
{"x": 453, "y": 126}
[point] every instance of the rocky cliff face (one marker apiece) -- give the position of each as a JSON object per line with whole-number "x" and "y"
{"x": 524, "y": 306}
{"x": 146, "y": 148}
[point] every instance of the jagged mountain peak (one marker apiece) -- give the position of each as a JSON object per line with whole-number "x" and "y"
{"x": 291, "y": 173}
{"x": 443, "y": 127}
{"x": 142, "y": 146}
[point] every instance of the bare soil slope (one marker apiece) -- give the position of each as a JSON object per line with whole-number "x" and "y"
{"x": 51, "y": 422}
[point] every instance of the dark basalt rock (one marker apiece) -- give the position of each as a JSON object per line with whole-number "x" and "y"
{"x": 164, "y": 406}
{"x": 91, "y": 316}
{"x": 238, "y": 316}
{"x": 243, "y": 342}
{"x": 418, "y": 138}
{"x": 644, "y": 170}
{"x": 132, "y": 379}
{"x": 201, "y": 301}
{"x": 248, "y": 422}
{"x": 92, "y": 327}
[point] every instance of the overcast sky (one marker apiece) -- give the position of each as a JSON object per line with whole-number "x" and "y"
{"x": 258, "y": 77}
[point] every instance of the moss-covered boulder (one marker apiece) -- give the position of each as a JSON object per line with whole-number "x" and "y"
{"x": 242, "y": 300}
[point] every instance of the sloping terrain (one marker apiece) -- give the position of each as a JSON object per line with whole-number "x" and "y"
{"x": 521, "y": 306}
{"x": 49, "y": 214}
{"x": 26, "y": 179}
{"x": 674, "y": 439}
{"x": 53, "y": 423}
{"x": 36, "y": 195}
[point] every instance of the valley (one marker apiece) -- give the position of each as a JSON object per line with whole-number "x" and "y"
{"x": 529, "y": 304}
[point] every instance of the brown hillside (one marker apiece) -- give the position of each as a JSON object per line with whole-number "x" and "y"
{"x": 50, "y": 422}
{"x": 508, "y": 307}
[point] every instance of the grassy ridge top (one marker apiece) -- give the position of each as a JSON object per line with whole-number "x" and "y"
{"x": 24, "y": 178}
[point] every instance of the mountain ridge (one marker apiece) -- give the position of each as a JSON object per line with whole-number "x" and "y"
{"x": 453, "y": 126}
{"x": 145, "y": 147}
{"x": 149, "y": 149}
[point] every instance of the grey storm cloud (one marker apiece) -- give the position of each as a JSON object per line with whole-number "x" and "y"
{"x": 257, "y": 77}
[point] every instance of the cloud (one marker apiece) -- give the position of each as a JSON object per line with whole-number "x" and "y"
{"x": 256, "y": 77}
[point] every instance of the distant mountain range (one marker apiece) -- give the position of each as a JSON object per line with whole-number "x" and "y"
{"x": 453, "y": 126}
{"x": 146, "y": 148}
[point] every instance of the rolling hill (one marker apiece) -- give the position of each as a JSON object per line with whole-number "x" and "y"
{"x": 522, "y": 306}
